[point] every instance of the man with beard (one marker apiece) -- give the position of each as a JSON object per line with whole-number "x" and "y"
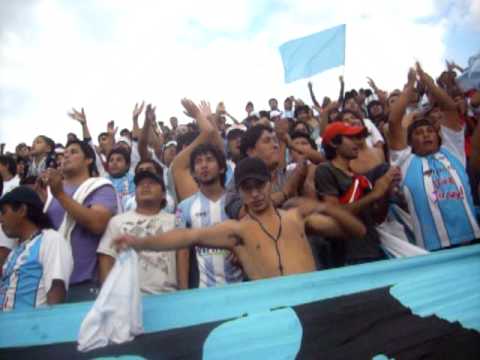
{"x": 203, "y": 209}
{"x": 268, "y": 242}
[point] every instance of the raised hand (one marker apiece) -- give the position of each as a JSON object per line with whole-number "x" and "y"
{"x": 205, "y": 109}
{"x": 422, "y": 75}
{"x": 191, "y": 109}
{"x": 78, "y": 116}
{"x": 137, "y": 110}
{"x": 111, "y": 129}
{"x": 54, "y": 179}
{"x": 150, "y": 116}
{"x": 371, "y": 83}
{"x": 340, "y": 78}
{"x": 412, "y": 76}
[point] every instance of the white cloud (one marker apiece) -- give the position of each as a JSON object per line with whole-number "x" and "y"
{"x": 106, "y": 55}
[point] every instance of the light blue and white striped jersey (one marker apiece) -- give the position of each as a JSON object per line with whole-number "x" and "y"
{"x": 215, "y": 266}
{"x": 124, "y": 187}
{"x": 438, "y": 194}
{"x": 30, "y": 269}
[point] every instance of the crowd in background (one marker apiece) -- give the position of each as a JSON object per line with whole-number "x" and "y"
{"x": 226, "y": 198}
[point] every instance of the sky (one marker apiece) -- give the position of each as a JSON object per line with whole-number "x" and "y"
{"x": 106, "y": 55}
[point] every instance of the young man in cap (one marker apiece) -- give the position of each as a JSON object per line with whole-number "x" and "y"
{"x": 268, "y": 242}
{"x": 157, "y": 270}
{"x": 38, "y": 270}
{"x": 435, "y": 182}
{"x": 336, "y": 183}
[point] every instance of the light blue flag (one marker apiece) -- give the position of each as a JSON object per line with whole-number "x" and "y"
{"x": 470, "y": 78}
{"x": 312, "y": 54}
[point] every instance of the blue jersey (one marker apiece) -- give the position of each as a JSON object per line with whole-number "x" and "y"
{"x": 30, "y": 269}
{"x": 438, "y": 194}
{"x": 215, "y": 265}
{"x": 124, "y": 187}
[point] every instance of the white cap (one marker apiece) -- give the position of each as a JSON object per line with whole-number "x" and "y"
{"x": 275, "y": 113}
{"x": 171, "y": 143}
{"x": 125, "y": 140}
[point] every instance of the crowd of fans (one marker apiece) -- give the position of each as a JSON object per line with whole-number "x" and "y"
{"x": 292, "y": 189}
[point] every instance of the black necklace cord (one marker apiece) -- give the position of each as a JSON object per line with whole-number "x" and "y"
{"x": 274, "y": 239}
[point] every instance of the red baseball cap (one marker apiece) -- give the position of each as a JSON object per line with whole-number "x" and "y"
{"x": 340, "y": 128}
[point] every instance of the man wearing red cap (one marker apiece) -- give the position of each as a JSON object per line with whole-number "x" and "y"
{"x": 335, "y": 182}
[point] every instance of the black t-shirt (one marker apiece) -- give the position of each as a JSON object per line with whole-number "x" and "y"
{"x": 331, "y": 181}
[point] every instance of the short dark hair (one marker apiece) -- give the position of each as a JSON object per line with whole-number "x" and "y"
{"x": 331, "y": 151}
{"x": 186, "y": 139}
{"x": 298, "y": 122}
{"x": 301, "y": 108}
{"x": 88, "y": 152}
{"x": 264, "y": 113}
{"x": 125, "y": 131}
{"x": 208, "y": 148}
{"x": 299, "y": 134}
{"x": 156, "y": 165}
{"x": 49, "y": 142}
{"x": 120, "y": 151}
{"x": 251, "y": 137}
{"x": 34, "y": 215}
{"x": 10, "y": 163}
{"x": 100, "y": 135}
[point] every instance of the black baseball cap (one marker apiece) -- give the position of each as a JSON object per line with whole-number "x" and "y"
{"x": 147, "y": 174}
{"x": 251, "y": 168}
{"x": 22, "y": 195}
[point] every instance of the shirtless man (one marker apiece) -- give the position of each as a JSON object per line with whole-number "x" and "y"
{"x": 268, "y": 242}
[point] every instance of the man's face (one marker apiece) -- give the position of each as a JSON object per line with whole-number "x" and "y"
{"x": 300, "y": 143}
{"x": 303, "y": 116}
{"x": 74, "y": 160}
{"x": 149, "y": 191}
{"x": 351, "y": 119}
{"x": 39, "y": 146}
{"x": 174, "y": 122}
{"x": 117, "y": 166}
{"x": 22, "y": 151}
{"x": 376, "y": 110}
{"x": 249, "y": 108}
{"x": 169, "y": 154}
{"x": 126, "y": 134}
{"x": 287, "y": 104}
{"x": 425, "y": 140}
{"x": 348, "y": 149}
{"x": 59, "y": 160}
{"x": 267, "y": 149}
{"x": 300, "y": 127}
{"x": 352, "y": 105}
{"x": 10, "y": 220}
{"x": 234, "y": 147}
{"x": 333, "y": 115}
{"x": 256, "y": 194}
{"x": 105, "y": 142}
{"x": 391, "y": 100}
{"x": 206, "y": 169}
{"x": 71, "y": 137}
{"x": 273, "y": 103}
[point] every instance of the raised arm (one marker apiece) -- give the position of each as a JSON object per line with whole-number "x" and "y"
{"x": 342, "y": 89}
{"x": 225, "y": 235}
{"x": 397, "y": 136}
{"x": 137, "y": 110}
{"x": 380, "y": 93}
{"x": 184, "y": 182}
{"x": 82, "y": 119}
{"x": 147, "y": 128}
{"x": 312, "y": 95}
{"x": 452, "y": 120}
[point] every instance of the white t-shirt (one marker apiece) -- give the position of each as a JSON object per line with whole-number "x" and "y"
{"x": 374, "y": 134}
{"x": 11, "y": 184}
{"x": 157, "y": 269}
{"x": 5, "y": 241}
{"x": 30, "y": 269}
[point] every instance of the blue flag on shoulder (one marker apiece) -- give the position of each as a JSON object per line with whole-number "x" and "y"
{"x": 313, "y": 54}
